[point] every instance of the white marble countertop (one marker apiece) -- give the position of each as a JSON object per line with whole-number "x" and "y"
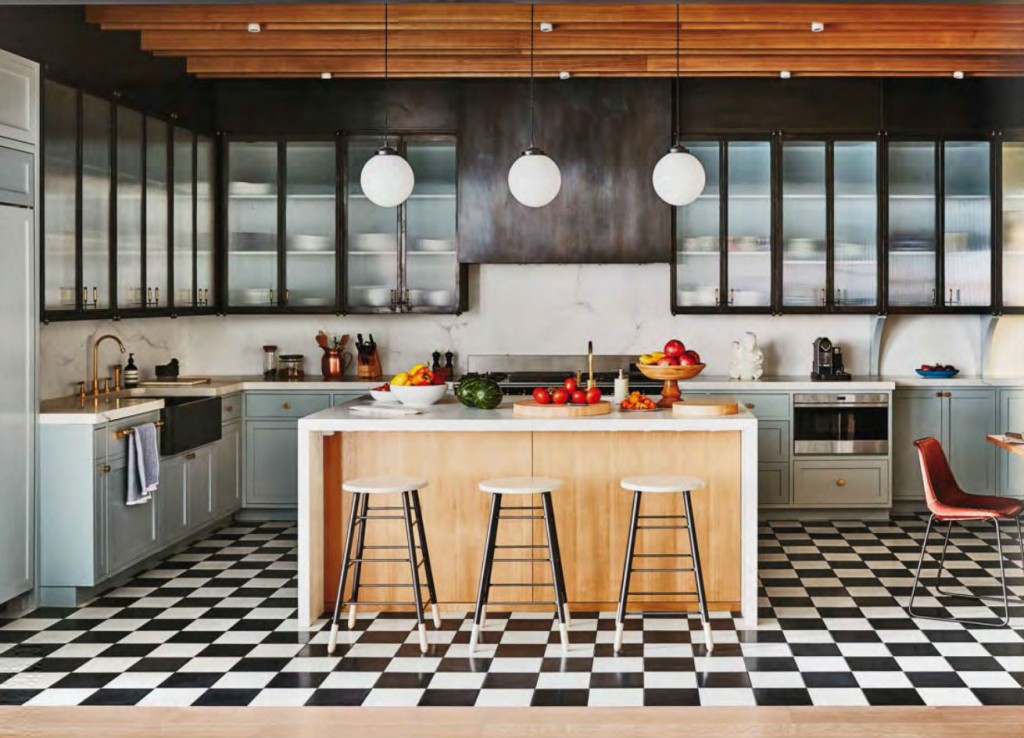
{"x": 711, "y": 383}
{"x": 220, "y": 386}
{"x": 449, "y": 415}
{"x": 72, "y": 411}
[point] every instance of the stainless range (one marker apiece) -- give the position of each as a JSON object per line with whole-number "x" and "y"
{"x": 519, "y": 374}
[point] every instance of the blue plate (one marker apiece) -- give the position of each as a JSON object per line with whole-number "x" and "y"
{"x": 942, "y": 374}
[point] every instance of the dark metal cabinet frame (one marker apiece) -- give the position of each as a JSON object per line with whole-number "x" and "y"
{"x": 724, "y": 305}
{"x": 116, "y": 312}
{"x": 1014, "y": 137}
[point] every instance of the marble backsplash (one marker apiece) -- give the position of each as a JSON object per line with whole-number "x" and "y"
{"x": 543, "y": 309}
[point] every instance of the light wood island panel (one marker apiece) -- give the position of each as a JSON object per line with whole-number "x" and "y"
{"x": 592, "y": 511}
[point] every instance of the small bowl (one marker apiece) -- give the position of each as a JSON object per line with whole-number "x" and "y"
{"x": 382, "y": 396}
{"x": 937, "y": 373}
{"x": 422, "y": 396}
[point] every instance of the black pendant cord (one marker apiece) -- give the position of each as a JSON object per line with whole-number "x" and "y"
{"x": 675, "y": 119}
{"x": 386, "y": 85}
{"x": 532, "y": 125}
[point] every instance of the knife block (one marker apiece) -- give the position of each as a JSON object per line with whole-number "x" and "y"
{"x": 368, "y": 366}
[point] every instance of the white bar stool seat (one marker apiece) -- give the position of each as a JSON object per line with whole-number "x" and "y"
{"x": 662, "y": 484}
{"x": 520, "y": 485}
{"x": 385, "y": 485}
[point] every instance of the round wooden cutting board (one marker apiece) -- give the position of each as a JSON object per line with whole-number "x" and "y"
{"x": 531, "y": 409}
{"x": 710, "y": 407}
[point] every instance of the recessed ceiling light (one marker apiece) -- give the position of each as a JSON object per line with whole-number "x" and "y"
{"x": 564, "y": 75}
{"x": 817, "y": 27}
{"x": 785, "y": 74}
{"x": 958, "y": 75}
{"x": 546, "y": 27}
{"x": 325, "y": 75}
{"x": 254, "y": 28}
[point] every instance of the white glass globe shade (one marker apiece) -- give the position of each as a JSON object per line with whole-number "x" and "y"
{"x": 678, "y": 177}
{"x": 387, "y": 179}
{"x": 534, "y": 179}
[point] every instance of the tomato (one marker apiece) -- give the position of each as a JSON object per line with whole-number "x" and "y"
{"x": 579, "y": 397}
{"x": 570, "y": 385}
{"x": 593, "y": 396}
{"x": 541, "y": 396}
{"x": 560, "y": 396}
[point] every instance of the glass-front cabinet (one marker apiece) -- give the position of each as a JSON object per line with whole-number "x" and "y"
{"x": 111, "y": 177}
{"x": 404, "y": 259}
{"x": 1013, "y": 226}
{"x": 723, "y": 240}
{"x": 829, "y": 225}
{"x": 940, "y": 217}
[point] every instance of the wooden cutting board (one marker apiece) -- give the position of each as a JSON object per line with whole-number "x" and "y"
{"x": 705, "y": 407}
{"x": 531, "y": 409}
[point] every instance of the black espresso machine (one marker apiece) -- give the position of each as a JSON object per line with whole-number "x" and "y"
{"x": 828, "y": 362}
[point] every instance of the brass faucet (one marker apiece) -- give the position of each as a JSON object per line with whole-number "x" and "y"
{"x": 96, "y": 360}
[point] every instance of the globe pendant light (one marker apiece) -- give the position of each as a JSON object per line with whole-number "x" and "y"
{"x": 678, "y": 176}
{"x": 387, "y": 179}
{"x": 534, "y": 178}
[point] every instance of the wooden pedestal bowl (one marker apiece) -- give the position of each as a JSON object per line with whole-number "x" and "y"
{"x": 671, "y": 376}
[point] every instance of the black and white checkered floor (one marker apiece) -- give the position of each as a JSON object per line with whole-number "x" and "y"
{"x": 214, "y": 626}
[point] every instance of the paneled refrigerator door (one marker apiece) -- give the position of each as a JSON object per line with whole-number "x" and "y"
{"x": 310, "y": 217}
{"x": 967, "y": 224}
{"x": 431, "y": 263}
{"x": 749, "y": 227}
{"x": 96, "y": 178}
{"x": 913, "y": 244}
{"x": 206, "y": 166}
{"x": 698, "y": 237}
{"x": 855, "y": 225}
{"x": 157, "y": 209}
{"x": 1013, "y": 225}
{"x": 60, "y": 167}
{"x": 371, "y": 239}
{"x": 130, "y": 289}
{"x": 184, "y": 219}
{"x": 804, "y": 224}
{"x": 252, "y": 224}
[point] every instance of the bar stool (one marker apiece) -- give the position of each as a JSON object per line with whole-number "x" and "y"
{"x": 662, "y": 484}
{"x": 497, "y": 488}
{"x": 359, "y": 514}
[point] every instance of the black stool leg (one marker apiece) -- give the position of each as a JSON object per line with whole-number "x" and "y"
{"x": 357, "y": 565}
{"x": 558, "y": 561}
{"x": 346, "y": 555}
{"x": 483, "y": 588}
{"x": 425, "y": 553}
{"x": 556, "y": 566}
{"x": 414, "y": 566}
{"x": 627, "y": 569}
{"x": 691, "y": 528}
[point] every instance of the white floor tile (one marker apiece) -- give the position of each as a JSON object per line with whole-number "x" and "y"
{"x": 616, "y": 698}
{"x": 504, "y": 698}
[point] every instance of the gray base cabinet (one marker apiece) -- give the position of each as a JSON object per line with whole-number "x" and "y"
{"x": 856, "y": 482}
{"x": 172, "y": 515}
{"x": 960, "y": 419}
{"x": 1011, "y": 466}
{"x": 227, "y": 481}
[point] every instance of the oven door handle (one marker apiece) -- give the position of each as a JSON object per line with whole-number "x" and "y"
{"x": 838, "y": 406}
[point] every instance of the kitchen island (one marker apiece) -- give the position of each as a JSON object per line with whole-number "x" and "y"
{"x": 455, "y": 447}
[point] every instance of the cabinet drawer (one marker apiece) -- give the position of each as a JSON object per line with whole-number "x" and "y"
{"x": 773, "y": 484}
{"x": 284, "y": 404}
{"x": 773, "y": 440}
{"x": 841, "y": 483}
{"x": 231, "y": 408}
{"x": 106, "y": 445}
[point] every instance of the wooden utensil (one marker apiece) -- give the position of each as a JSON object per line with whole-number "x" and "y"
{"x": 705, "y": 407}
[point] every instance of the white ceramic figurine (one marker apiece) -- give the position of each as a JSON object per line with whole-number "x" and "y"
{"x": 747, "y": 359}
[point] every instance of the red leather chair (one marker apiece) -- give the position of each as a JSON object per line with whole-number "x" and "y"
{"x": 948, "y": 503}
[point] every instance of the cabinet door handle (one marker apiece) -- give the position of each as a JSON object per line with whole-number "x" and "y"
{"x": 749, "y": 405}
{"x": 394, "y": 300}
{"x": 229, "y": 408}
{"x": 823, "y": 297}
{"x": 190, "y": 456}
{"x": 732, "y": 296}
{"x": 105, "y": 468}
{"x": 949, "y": 394}
{"x": 840, "y": 482}
{"x": 939, "y": 394}
{"x": 270, "y": 295}
{"x": 718, "y": 298}
{"x": 286, "y": 406}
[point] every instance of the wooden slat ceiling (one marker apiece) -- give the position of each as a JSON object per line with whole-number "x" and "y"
{"x": 493, "y": 40}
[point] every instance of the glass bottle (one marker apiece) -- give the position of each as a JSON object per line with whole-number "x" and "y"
{"x": 270, "y": 362}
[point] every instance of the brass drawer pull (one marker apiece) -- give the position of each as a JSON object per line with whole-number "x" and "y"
{"x": 949, "y": 394}
{"x": 229, "y": 408}
{"x": 190, "y": 456}
{"x": 840, "y": 482}
{"x": 938, "y": 394}
{"x": 105, "y": 468}
{"x": 118, "y": 435}
{"x": 749, "y": 405}
{"x": 286, "y": 406}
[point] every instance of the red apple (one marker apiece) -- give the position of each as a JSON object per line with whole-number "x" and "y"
{"x": 668, "y": 361}
{"x": 674, "y": 347}
{"x": 689, "y": 358}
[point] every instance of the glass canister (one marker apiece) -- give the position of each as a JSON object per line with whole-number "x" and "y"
{"x": 270, "y": 362}
{"x": 291, "y": 366}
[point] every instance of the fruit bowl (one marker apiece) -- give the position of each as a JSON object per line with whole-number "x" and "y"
{"x": 382, "y": 396}
{"x": 671, "y": 376}
{"x": 419, "y": 396}
{"x": 937, "y": 373}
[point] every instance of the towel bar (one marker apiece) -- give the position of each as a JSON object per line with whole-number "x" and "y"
{"x": 118, "y": 435}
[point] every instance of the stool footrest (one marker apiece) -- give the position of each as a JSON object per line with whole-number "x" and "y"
{"x": 368, "y": 547}
{"x": 662, "y": 527}
{"x": 663, "y": 556}
{"x": 663, "y": 594}
{"x": 661, "y": 517}
{"x": 380, "y": 603}
{"x": 519, "y": 561}
{"x": 380, "y": 517}
{"x": 520, "y": 584}
{"x": 525, "y": 545}
{"x": 375, "y": 560}
{"x": 659, "y": 570}
{"x": 521, "y": 507}
{"x": 520, "y": 517}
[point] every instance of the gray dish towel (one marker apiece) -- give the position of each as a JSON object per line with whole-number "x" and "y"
{"x": 143, "y": 464}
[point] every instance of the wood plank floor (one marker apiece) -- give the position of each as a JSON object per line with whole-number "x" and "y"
{"x": 481, "y": 722}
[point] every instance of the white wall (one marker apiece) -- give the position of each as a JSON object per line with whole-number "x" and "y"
{"x": 545, "y": 309}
